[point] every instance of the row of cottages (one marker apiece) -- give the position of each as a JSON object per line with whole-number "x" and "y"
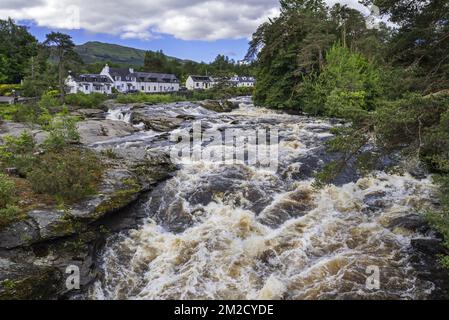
{"x": 207, "y": 82}
{"x": 243, "y": 82}
{"x": 123, "y": 80}
{"x": 127, "y": 80}
{"x": 89, "y": 83}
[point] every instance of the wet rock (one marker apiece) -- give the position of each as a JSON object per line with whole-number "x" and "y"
{"x": 17, "y": 234}
{"x": 218, "y": 106}
{"x": 426, "y": 261}
{"x": 412, "y": 222}
{"x": 157, "y": 123}
{"x": 418, "y": 171}
{"x": 28, "y": 281}
{"x": 92, "y": 131}
{"x": 90, "y": 113}
{"x": 375, "y": 202}
{"x": 52, "y": 224}
{"x": 296, "y": 204}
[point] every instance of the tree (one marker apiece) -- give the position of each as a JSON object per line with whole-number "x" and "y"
{"x": 289, "y": 47}
{"x": 155, "y": 62}
{"x": 421, "y": 41}
{"x": 61, "y": 47}
{"x": 17, "y": 46}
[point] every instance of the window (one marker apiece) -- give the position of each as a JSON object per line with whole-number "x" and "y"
{"x": 197, "y": 85}
{"x": 87, "y": 87}
{"x": 155, "y": 89}
{"x": 143, "y": 88}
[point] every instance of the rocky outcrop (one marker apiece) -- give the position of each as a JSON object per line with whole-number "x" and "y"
{"x": 90, "y": 114}
{"x": 92, "y": 131}
{"x": 157, "y": 123}
{"x": 218, "y": 105}
{"x": 14, "y": 129}
{"x": 36, "y": 250}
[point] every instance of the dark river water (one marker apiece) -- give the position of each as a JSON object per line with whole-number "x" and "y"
{"x": 243, "y": 231}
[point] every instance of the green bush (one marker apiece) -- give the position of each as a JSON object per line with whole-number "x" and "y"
{"x": 62, "y": 133}
{"x": 348, "y": 85}
{"x": 7, "y": 187}
{"x": 8, "y": 210}
{"x": 148, "y": 98}
{"x": 85, "y": 100}
{"x": 18, "y": 152}
{"x": 7, "y": 89}
{"x": 49, "y": 101}
{"x": 70, "y": 175}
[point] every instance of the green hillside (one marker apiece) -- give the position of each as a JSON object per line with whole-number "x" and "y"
{"x": 93, "y": 52}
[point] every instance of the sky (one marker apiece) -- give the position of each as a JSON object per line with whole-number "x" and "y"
{"x": 189, "y": 29}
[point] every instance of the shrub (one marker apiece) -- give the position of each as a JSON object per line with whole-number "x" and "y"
{"x": 70, "y": 175}
{"x": 48, "y": 101}
{"x": 148, "y": 98}
{"x": 85, "y": 100}
{"x": 349, "y": 82}
{"x": 8, "y": 210}
{"x": 18, "y": 152}
{"x": 6, "y": 89}
{"x": 7, "y": 187}
{"x": 63, "y": 132}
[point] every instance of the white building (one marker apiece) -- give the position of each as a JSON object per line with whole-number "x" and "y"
{"x": 242, "y": 82}
{"x": 89, "y": 83}
{"x": 200, "y": 82}
{"x": 127, "y": 80}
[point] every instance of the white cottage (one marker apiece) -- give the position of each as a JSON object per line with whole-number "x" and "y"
{"x": 127, "y": 80}
{"x": 243, "y": 82}
{"x": 89, "y": 83}
{"x": 200, "y": 82}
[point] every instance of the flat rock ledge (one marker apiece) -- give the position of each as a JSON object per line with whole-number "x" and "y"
{"x": 36, "y": 251}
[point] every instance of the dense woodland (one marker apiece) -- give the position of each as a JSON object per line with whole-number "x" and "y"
{"x": 391, "y": 81}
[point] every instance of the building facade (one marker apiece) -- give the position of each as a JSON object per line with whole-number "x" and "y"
{"x": 200, "y": 83}
{"x": 89, "y": 83}
{"x": 243, "y": 82}
{"x": 127, "y": 80}
{"x": 124, "y": 80}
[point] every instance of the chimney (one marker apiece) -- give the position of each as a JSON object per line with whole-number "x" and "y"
{"x": 105, "y": 70}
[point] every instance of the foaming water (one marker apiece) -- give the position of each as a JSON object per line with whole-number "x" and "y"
{"x": 242, "y": 232}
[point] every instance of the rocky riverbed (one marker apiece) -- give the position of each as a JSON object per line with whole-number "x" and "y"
{"x": 160, "y": 230}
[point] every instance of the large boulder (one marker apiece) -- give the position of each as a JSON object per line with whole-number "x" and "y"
{"x": 92, "y": 131}
{"x": 14, "y": 129}
{"x": 90, "y": 113}
{"x": 157, "y": 123}
{"x": 218, "y": 105}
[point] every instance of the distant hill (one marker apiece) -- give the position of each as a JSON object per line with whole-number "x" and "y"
{"x": 92, "y": 52}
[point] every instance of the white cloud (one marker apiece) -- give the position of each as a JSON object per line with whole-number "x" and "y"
{"x": 145, "y": 19}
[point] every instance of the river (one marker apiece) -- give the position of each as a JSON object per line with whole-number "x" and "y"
{"x": 242, "y": 231}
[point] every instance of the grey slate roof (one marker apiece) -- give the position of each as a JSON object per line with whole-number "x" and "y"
{"x": 202, "y": 78}
{"x": 119, "y": 72}
{"x": 155, "y": 77}
{"x": 94, "y": 78}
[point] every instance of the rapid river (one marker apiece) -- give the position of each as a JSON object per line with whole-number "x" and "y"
{"x": 242, "y": 231}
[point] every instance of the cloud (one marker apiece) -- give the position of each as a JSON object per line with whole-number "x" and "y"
{"x": 146, "y": 19}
